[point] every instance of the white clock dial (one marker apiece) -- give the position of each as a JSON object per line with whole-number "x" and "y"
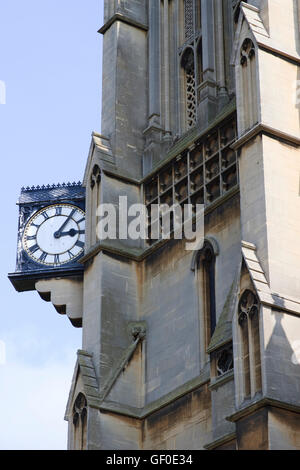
{"x": 55, "y": 235}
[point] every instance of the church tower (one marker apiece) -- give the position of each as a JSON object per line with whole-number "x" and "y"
{"x": 192, "y": 349}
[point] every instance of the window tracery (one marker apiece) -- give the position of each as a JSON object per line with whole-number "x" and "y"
{"x": 248, "y": 318}
{"x": 80, "y": 422}
{"x": 249, "y": 90}
{"x": 224, "y": 361}
{"x": 191, "y": 59}
{"x": 94, "y": 201}
{"x": 188, "y": 64}
{"x": 206, "y": 264}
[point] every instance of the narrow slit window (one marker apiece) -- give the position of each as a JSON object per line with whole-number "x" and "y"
{"x": 207, "y": 279}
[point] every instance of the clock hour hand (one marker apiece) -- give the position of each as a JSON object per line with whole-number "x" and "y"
{"x": 72, "y": 233}
{"x": 59, "y": 232}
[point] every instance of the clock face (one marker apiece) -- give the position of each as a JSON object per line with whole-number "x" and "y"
{"x": 54, "y": 236}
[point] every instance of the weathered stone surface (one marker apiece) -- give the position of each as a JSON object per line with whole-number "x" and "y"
{"x": 164, "y": 390}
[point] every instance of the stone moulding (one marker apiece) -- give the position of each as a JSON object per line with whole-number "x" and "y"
{"x": 228, "y": 377}
{"x": 138, "y": 333}
{"x": 140, "y": 254}
{"x": 142, "y": 413}
{"x": 95, "y": 399}
{"x": 124, "y": 19}
{"x": 221, "y": 441}
{"x": 266, "y": 130}
{"x": 261, "y": 285}
{"x": 189, "y": 139}
{"x": 261, "y": 403}
{"x": 186, "y": 141}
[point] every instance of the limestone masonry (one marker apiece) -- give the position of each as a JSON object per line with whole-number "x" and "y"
{"x": 192, "y": 349}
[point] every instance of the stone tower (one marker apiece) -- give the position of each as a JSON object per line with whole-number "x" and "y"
{"x": 193, "y": 349}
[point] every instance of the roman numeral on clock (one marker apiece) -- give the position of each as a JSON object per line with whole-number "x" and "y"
{"x": 31, "y": 237}
{"x": 43, "y": 256}
{"x": 56, "y": 259}
{"x": 81, "y": 220}
{"x": 71, "y": 255}
{"x": 45, "y": 215}
{"x": 34, "y": 249}
{"x": 80, "y": 244}
{"x": 58, "y": 210}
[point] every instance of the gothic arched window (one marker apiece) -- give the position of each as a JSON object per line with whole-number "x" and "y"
{"x": 188, "y": 64}
{"x": 93, "y": 203}
{"x": 192, "y": 17}
{"x": 249, "y": 84}
{"x": 251, "y": 359}
{"x": 191, "y": 59}
{"x": 199, "y": 62}
{"x": 80, "y": 423}
{"x": 207, "y": 290}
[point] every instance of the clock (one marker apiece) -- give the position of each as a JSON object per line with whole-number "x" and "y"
{"x": 51, "y": 234}
{"x": 54, "y": 236}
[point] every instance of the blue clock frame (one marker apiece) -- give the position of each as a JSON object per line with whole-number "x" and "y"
{"x": 33, "y": 199}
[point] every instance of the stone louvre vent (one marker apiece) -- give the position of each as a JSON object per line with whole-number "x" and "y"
{"x": 200, "y": 175}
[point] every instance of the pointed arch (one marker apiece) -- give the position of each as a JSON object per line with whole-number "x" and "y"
{"x": 248, "y": 319}
{"x": 80, "y": 422}
{"x": 188, "y": 65}
{"x": 204, "y": 266}
{"x": 191, "y": 63}
{"x": 249, "y": 87}
{"x": 94, "y": 201}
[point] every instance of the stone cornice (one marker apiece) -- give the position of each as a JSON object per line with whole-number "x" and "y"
{"x": 291, "y": 56}
{"x": 140, "y": 254}
{"x": 221, "y": 441}
{"x": 219, "y": 381}
{"x": 261, "y": 403}
{"x": 266, "y": 295}
{"x": 124, "y": 19}
{"x": 149, "y": 409}
{"x": 187, "y": 141}
{"x": 266, "y": 130}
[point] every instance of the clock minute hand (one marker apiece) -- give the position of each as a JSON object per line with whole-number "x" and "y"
{"x": 58, "y": 233}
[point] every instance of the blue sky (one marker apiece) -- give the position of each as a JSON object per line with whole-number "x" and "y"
{"x": 50, "y": 62}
